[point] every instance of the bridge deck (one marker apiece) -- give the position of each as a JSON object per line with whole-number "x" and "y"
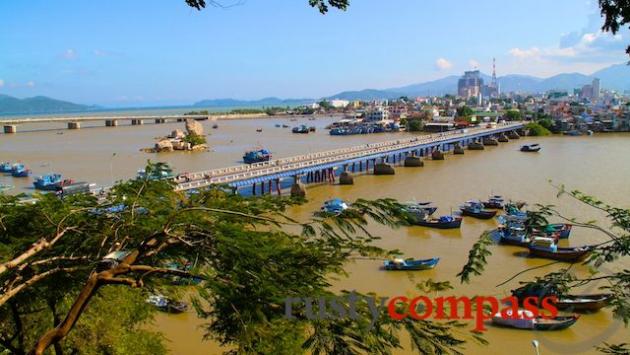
{"x": 17, "y": 121}
{"x": 241, "y": 175}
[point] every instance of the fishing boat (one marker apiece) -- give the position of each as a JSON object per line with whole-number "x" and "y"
{"x": 160, "y": 172}
{"x": 410, "y": 264}
{"x": 6, "y": 167}
{"x": 476, "y": 209}
{"x": 420, "y": 208}
{"x": 334, "y": 206}
{"x": 285, "y": 126}
{"x": 545, "y": 247}
{"x": 302, "y": 129}
{"x": 573, "y": 303}
{"x": 512, "y": 209}
{"x": 259, "y": 130}
{"x": 562, "y": 230}
{"x": 19, "y": 170}
{"x": 256, "y": 156}
{"x": 166, "y": 304}
{"x": 312, "y": 129}
{"x": 443, "y": 222}
{"x": 48, "y": 182}
{"x": 513, "y": 236}
{"x": 215, "y": 126}
{"x": 494, "y": 202}
{"x": 525, "y": 319}
{"x": 530, "y": 148}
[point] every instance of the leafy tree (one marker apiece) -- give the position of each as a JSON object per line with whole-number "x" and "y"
{"x": 616, "y": 14}
{"x": 512, "y": 115}
{"x": 195, "y": 139}
{"x": 325, "y": 104}
{"x": 616, "y": 246}
{"x": 536, "y": 129}
{"x": 415, "y": 125}
{"x": 55, "y": 258}
{"x": 464, "y": 112}
{"x": 321, "y": 5}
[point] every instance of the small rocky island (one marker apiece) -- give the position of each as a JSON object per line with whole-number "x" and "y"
{"x": 193, "y": 140}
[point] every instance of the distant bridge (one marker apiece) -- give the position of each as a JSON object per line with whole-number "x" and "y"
{"x": 319, "y": 167}
{"x": 10, "y": 125}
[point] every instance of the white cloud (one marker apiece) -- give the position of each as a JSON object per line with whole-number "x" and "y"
{"x": 1, "y": 83}
{"x": 30, "y": 84}
{"x": 70, "y": 54}
{"x": 473, "y": 63}
{"x": 525, "y": 53}
{"x": 443, "y": 64}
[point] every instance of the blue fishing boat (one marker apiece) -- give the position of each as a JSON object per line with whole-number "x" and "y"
{"x": 410, "y": 264}
{"x": 335, "y": 206}
{"x": 19, "y": 170}
{"x": 476, "y": 209}
{"x": 562, "y": 230}
{"x": 421, "y": 209}
{"x": 6, "y": 167}
{"x": 494, "y": 202}
{"x": 300, "y": 129}
{"x": 48, "y": 182}
{"x": 443, "y": 222}
{"x": 256, "y": 156}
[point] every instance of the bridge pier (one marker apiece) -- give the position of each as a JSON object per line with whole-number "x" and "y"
{"x": 9, "y": 129}
{"x": 437, "y": 155}
{"x": 137, "y": 122}
{"x": 412, "y": 161}
{"x": 458, "y": 149}
{"x": 160, "y": 120}
{"x": 297, "y": 189}
{"x": 74, "y": 125}
{"x": 111, "y": 123}
{"x": 278, "y": 187}
{"x": 383, "y": 169}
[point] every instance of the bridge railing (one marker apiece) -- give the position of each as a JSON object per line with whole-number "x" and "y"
{"x": 242, "y": 172}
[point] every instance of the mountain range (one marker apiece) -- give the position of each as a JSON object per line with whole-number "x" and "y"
{"x": 38, "y": 105}
{"x": 615, "y": 77}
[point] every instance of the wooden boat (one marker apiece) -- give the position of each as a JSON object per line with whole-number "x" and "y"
{"x": 531, "y": 148}
{"x": 19, "y": 170}
{"x": 300, "y": 129}
{"x": 215, "y": 126}
{"x": 584, "y": 303}
{"x": 544, "y": 247}
{"x": 563, "y": 230}
{"x": 525, "y": 320}
{"x": 475, "y": 209}
{"x": 410, "y": 264}
{"x": 6, "y": 167}
{"x": 166, "y": 304}
{"x": 573, "y": 303}
{"x": 443, "y": 222}
{"x": 422, "y": 209}
{"x": 259, "y": 130}
{"x": 494, "y": 202}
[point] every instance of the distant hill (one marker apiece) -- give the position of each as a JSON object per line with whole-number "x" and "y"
{"x": 268, "y": 101}
{"x": 615, "y": 77}
{"x": 38, "y": 105}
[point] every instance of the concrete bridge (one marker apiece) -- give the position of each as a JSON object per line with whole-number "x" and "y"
{"x": 10, "y": 125}
{"x": 327, "y": 165}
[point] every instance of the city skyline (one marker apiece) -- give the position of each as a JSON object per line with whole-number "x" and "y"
{"x": 123, "y": 54}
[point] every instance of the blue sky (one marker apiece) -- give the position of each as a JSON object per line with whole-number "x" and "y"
{"x": 137, "y": 53}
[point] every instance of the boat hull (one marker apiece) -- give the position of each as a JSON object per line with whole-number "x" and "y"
{"x": 414, "y": 265}
{"x": 434, "y": 223}
{"x": 479, "y": 214}
{"x": 584, "y": 303}
{"x": 562, "y": 254}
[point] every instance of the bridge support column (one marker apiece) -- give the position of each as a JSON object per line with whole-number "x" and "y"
{"x": 111, "y": 123}
{"x": 412, "y": 161}
{"x": 270, "y": 188}
{"x": 8, "y": 129}
{"x": 137, "y": 122}
{"x": 254, "y": 189}
{"x": 458, "y": 149}
{"x": 331, "y": 175}
{"x": 160, "y": 120}
{"x": 346, "y": 179}
{"x": 437, "y": 155}
{"x": 383, "y": 169}
{"x": 297, "y": 189}
{"x": 278, "y": 187}
{"x": 74, "y": 125}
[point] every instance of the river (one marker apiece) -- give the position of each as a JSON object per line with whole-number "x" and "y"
{"x": 598, "y": 165}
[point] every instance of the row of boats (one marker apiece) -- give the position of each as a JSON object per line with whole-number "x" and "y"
{"x": 542, "y": 243}
{"x": 48, "y": 182}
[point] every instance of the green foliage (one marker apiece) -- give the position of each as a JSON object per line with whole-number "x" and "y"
{"x": 536, "y": 129}
{"x": 616, "y": 15}
{"x": 547, "y": 123}
{"x": 464, "y": 112}
{"x": 477, "y": 258}
{"x": 415, "y": 126}
{"x": 195, "y": 139}
{"x": 615, "y": 349}
{"x": 246, "y": 111}
{"x": 325, "y": 105}
{"x": 197, "y": 113}
{"x": 512, "y": 115}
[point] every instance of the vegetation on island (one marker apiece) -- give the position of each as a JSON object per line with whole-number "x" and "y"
{"x": 62, "y": 289}
{"x": 195, "y": 139}
{"x": 536, "y": 129}
{"x": 615, "y": 246}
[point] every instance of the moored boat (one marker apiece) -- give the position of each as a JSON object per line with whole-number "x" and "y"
{"x": 525, "y": 319}
{"x": 335, "y": 206}
{"x": 19, "y": 170}
{"x": 476, "y": 209}
{"x": 256, "y": 156}
{"x": 562, "y": 230}
{"x": 420, "y": 208}
{"x": 443, "y": 222}
{"x": 530, "y": 148}
{"x": 6, "y": 167}
{"x": 572, "y": 303}
{"x": 544, "y": 247}
{"x": 166, "y": 304}
{"x": 494, "y": 202}
{"x": 302, "y": 129}
{"x": 48, "y": 182}
{"x": 410, "y": 264}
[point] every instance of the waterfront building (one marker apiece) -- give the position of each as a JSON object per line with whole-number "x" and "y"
{"x": 470, "y": 85}
{"x": 378, "y": 113}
